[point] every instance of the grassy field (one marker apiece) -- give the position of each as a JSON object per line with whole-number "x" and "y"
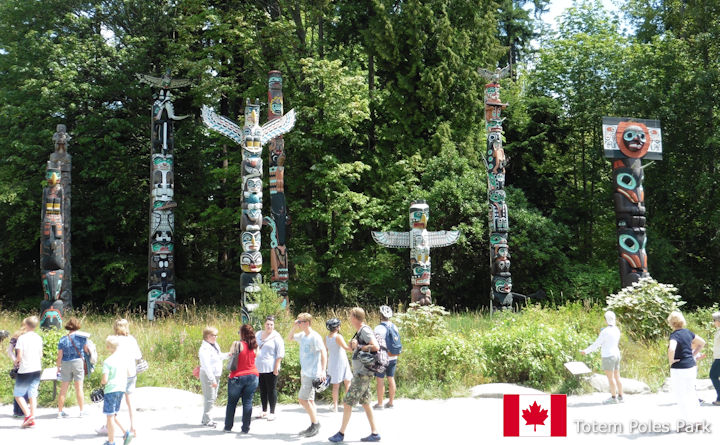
{"x": 528, "y": 347}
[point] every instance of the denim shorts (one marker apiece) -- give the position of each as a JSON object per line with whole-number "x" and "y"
{"x": 389, "y": 371}
{"x": 27, "y": 385}
{"x": 111, "y": 403}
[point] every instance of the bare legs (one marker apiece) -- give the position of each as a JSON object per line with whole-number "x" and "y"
{"x": 310, "y": 408}
{"x": 80, "y": 395}
{"x": 614, "y": 382}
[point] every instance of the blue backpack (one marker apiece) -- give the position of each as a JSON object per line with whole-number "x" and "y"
{"x": 392, "y": 339}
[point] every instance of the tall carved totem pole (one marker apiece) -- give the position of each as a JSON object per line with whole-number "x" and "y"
{"x": 251, "y": 137}
{"x": 278, "y": 219}
{"x": 161, "y": 252}
{"x": 626, "y": 141}
{"x": 500, "y": 279}
{"x": 419, "y": 241}
{"x": 55, "y": 267}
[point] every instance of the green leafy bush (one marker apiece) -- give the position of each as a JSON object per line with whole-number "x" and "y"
{"x": 531, "y": 348}
{"x": 422, "y": 321}
{"x": 643, "y": 307}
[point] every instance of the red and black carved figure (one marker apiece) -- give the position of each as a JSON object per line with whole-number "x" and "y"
{"x": 161, "y": 250}
{"x": 55, "y": 234}
{"x": 626, "y": 141}
{"x": 500, "y": 277}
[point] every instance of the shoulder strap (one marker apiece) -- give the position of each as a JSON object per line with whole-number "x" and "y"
{"x": 73, "y": 343}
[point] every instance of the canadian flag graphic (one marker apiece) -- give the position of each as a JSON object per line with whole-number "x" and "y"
{"x": 534, "y": 415}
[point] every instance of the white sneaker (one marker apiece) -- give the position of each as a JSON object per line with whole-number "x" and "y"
{"x": 270, "y": 417}
{"x": 102, "y": 431}
{"x": 81, "y": 414}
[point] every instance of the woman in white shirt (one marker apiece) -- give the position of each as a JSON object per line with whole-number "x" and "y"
{"x": 271, "y": 350}
{"x": 211, "y": 361}
{"x": 608, "y": 341}
{"x": 28, "y": 359}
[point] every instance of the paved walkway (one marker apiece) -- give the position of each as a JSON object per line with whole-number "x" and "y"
{"x": 453, "y": 421}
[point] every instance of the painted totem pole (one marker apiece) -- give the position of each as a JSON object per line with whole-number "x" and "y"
{"x": 251, "y": 137}
{"x": 419, "y": 241}
{"x": 626, "y": 141}
{"x": 161, "y": 252}
{"x": 55, "y": 265}
{"x": 278, "y": 219}
{"x": 500, "y": 279}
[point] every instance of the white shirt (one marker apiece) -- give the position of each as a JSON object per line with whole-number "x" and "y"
{"x": 381, "y": 331}
{"x": 269, "y": 350}
{"x": 607, "y": 341}
{"x": 211, "y": 360}
{"x": 128, "y": 347}
{"x": 31, "y": 347}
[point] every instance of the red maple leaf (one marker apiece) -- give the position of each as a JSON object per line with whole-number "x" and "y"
{"x": 535, "y": 416}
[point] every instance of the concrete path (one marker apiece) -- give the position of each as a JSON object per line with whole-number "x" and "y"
{"x": 453, "y": 421}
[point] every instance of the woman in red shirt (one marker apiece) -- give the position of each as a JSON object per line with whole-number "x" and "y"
{"x": 243, "y": 378}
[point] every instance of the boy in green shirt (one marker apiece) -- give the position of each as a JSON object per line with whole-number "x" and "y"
{"x": 115, "y": 376}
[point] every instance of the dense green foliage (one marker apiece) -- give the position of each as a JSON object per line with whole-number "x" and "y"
{"x": 390, "y": 109}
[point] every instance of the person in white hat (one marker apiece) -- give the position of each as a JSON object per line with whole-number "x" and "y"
{"x": 608, "y": 341}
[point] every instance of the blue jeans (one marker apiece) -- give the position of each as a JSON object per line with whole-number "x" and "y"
{"x": 240, "y": 387}
{"x": 715, "y": 376}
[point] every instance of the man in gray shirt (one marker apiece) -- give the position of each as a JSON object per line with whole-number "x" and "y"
{"x": 359, "y": 391}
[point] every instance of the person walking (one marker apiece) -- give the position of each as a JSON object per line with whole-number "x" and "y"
{"x": 211, "y": 360}
{"x": 608, "y": 341}
{"x": 683, "y": 348}
{"x": 359, "y": 392}
{"x": 715, "y": 368}
{"x": 71, "y": 365}
{"x": 271, "y": 350}
{"x": 313, "y": 362}
{"x": 28, "y": 360}
{"x": 17, "y": 411}
{"x": 387, "y": 330}
{"x": 116, "y": 370}
{"x": 128, "y": 347}
{"x": 243, "y": 378}
{"x": 338, "y": 364}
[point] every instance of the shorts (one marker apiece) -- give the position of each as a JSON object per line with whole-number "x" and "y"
{"x": 130, "y": 388}
{"x": 307, "y": 390}
{"x": 72, "y": 370}
{"x": 389, "y": 371}
{"x": 27, "y": 384}
{"x": 611, "y": 363}
{"x": 111, "y": 403}
{"x": 359, "y": 391}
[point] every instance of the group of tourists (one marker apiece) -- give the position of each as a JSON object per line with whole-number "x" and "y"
{"x": 254, "y": 362}
{"x": 76, "y": 356}
{"x": 684, "y": 349}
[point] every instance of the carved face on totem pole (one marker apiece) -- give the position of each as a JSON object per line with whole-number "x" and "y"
{"x": 250, "y": 241}
{"x": 633, "y": 139}
{"x": 61, "y": 139}
{"x": 251, "y": 220}
{"x": 252, "y": 167}
{"x": 251, "y": 261}
{"x": 631, "y": 243}
{"x": 252, "y": 130}
{"x": 501, "y": 260}
{"x": 420, "y": 273}
{"x": 419, "y": 215}
{"x": 421, "y": 295}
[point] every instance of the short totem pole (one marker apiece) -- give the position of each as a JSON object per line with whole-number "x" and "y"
{"x": 251, "y": 137}
{"x": 55, "y": 234}
{"x": 419, "y": 241}
{"x": 161, "y": 252}
{"x": 626, "y": 141}
{"x": 500, "y": 279}
{"x": 278, "y": 219}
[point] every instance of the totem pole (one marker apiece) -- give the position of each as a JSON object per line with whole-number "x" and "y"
{"x": 626, "y": 141}
{"x": 420, "y": 241}
{"x": 279, "y": 219}
{"x": 500, "y": 279}
{"x": 251, "y": 137}
{"x": 161, "y": 255}
{"x": 55, "y": 234}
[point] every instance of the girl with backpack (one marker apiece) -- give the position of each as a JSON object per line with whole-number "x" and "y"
{"x": 338, "y": 364}
{"x": 387, "y": 330}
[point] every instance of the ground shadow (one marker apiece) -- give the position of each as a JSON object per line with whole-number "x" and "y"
{"x": 80, "y": 436}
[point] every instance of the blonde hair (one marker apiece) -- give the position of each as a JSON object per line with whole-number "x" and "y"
{"x": 305, "y": 317}
{"x": 31, "y": 322}
{"x": 112, "y": 343}
{"x": 209, "y": 330}
{"x": 122, "y": 327}
{"x": 358, "y": 313}
{"x": 676, "y": 320}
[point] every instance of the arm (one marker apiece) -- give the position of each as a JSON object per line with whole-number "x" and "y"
{"x": 697, "y": 344}
{"x": 596, "y": 344}
{"x": 323, "y": 361}
{"x": 341, "y": 342}
{"x": 104, "y": 379}
{"x": 18, "y": 357}
{"x": 279, "y": 353}
{"x": 372, "y": 346}
{"x": 291, "y": 334}
{"x": 204, "y": 356}
{"x": 59, "y": 358}
{"x": 671, "y": 352}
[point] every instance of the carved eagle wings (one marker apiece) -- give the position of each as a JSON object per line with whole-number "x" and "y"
{"x": 164, "y": 82}
{"x": 228, "y": 128}
{"x": 400, "y": 240}
{"x": 496, "y": 75}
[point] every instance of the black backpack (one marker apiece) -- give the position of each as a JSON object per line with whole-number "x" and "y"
{"x": 373, "y": 361}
